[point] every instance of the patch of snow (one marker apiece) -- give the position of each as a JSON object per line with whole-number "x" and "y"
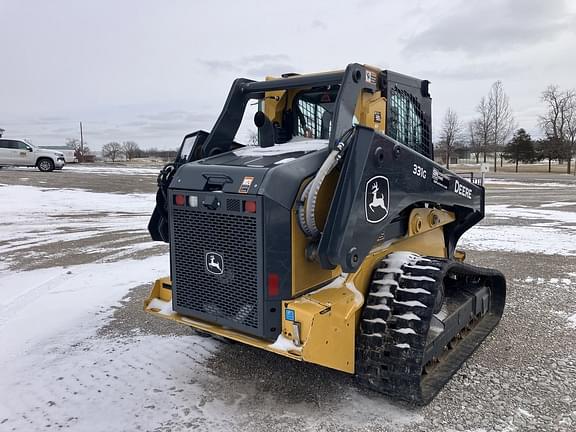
{"x": 164, "y": 307}
{"x": 284, "y": 344}
{"x": 415, "y": 290}
{"x": 403, "y": 345}
{"x": 374, "y": 335}
{"x": 378, "y": 307}
{"x": 572, "y": 321}
{"x": 115, "y": 170}
{"x": 405, "y": 330}
{"x": 525, "y": 413}
{"x": 39, "y": 304}
{"x": 525, "y": 185}
{"x": 410, "y": 303}
{"x": 526, "y": 239}
{"x": 421, "y": 267}
{"x": 417, "y": 278}
{"x": 408, "y": 316}
{"x": 33, "y": 215}
{"x": 358, "y": 296}
{"x": 375, "y": 320}
{"x": 559, "y": 204}
{"x": 293, "y": 146}
{"x": 530, "y": 213}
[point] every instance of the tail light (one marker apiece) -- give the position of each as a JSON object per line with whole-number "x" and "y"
{"x": 273, "y": 284}
{"x": 180, "y": 200}
{"x": 250, "y": 206}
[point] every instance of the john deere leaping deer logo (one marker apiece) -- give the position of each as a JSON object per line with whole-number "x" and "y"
{"x": 214, "y": 263}
{"x": 377, "y": 199}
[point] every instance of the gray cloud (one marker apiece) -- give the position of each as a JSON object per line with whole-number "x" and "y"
{"x": 494, "y": 26}
{"x": 272, "y": 69}
{"x": 317, "y": 24}
{"x": 471, "y": 71}
{"x": 254, "y": 65}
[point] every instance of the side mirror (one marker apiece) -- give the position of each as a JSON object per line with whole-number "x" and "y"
{"x": 30, "y": 149}
{"x": 265, "y": 129}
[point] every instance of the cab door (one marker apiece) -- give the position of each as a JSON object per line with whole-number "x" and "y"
{"x": 25, "y": 153}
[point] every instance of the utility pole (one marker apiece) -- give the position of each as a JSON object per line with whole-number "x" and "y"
{"x": 81, "y": 143}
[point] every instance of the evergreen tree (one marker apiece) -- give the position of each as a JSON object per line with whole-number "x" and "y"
{"x": 520, "y": 148}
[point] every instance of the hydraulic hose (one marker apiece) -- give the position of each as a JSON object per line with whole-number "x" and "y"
{"x": 307, "y": 212}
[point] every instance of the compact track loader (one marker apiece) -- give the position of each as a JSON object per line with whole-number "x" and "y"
{"x": 332, "y": 241}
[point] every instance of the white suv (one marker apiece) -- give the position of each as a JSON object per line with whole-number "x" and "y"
{"x": 20, "y": 153}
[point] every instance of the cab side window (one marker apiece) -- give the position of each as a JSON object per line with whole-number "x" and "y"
{"x": 9, "y": 144}
{"x": 22, "y": 145}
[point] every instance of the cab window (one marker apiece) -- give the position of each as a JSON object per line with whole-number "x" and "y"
{"x": 8, "y": 144}
{"x": 313, "y": 113}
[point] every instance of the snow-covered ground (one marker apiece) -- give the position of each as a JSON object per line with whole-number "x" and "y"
{"x": 112, "y": 170}
{"x": 530, "y": 230}
{"x": 67, "y": 259}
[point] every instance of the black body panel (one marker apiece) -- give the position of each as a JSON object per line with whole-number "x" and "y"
{"x": 279, "y": 182}
{"x": 240, "y": 296}
{"x": 349, "y": 235}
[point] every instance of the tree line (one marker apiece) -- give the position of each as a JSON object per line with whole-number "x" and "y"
{"x": 492, "y": 131}
{"x": 115, "y": 150}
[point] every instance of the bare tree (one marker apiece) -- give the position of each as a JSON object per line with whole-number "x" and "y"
{"x": 559, "y": 121}
{"x": 80, "y": 151}
{"x": 474, "y": 138}
{"x": 502, "y": 124}
{"x": 450, "y": 133}
{"x": 572, "y": 134}
{"x": 131, "y": 149}
{"x": 112, "y": 150}
{"x": 484, "y": 125}
{"x": 252, "y": 137}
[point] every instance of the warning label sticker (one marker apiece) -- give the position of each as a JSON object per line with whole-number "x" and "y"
{"x": 245, "y": 186}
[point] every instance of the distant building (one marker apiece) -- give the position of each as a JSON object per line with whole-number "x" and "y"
{"x": 66, "y": 151}
{"x": 1, "y": 132}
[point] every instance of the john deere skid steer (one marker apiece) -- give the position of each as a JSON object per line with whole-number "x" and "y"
{"x": 331, "y": 241}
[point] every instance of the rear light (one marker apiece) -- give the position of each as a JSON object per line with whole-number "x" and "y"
{"x": 180, "y": 200}
{"x": 250, "y": 206}
{"x": 273, "y": 284}
{"x": 193, "y": 201}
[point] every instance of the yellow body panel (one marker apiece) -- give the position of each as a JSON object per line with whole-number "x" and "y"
{"x": 328, "y": 316}
{"x": 307, "y": 274}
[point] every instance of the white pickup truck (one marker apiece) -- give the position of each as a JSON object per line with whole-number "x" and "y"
{"x": 15, "y": 152}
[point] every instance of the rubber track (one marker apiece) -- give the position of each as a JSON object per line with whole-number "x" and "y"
{"x": 392, "y": 335}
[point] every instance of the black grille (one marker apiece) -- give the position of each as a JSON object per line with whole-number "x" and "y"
{"x": 231, "y": 297}
{"x": 233, "y": 204}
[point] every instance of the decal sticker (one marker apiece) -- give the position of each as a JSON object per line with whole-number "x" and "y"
{"x": 462, "y": 190}
{"x": 246, "y": 183}
{"x": 214, "y": 263}
{"x": 377, "y": 117}
{"x": 377, "y": 199}
{"x": 370, "y": 77}
{"x": 440, "y": 179}
{"x": 418, "y": 171}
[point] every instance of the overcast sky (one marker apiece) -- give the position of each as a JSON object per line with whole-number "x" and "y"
{"x": 152, "y": 71}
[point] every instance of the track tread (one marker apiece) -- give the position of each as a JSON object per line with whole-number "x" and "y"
{"x": 392, "y": 341}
